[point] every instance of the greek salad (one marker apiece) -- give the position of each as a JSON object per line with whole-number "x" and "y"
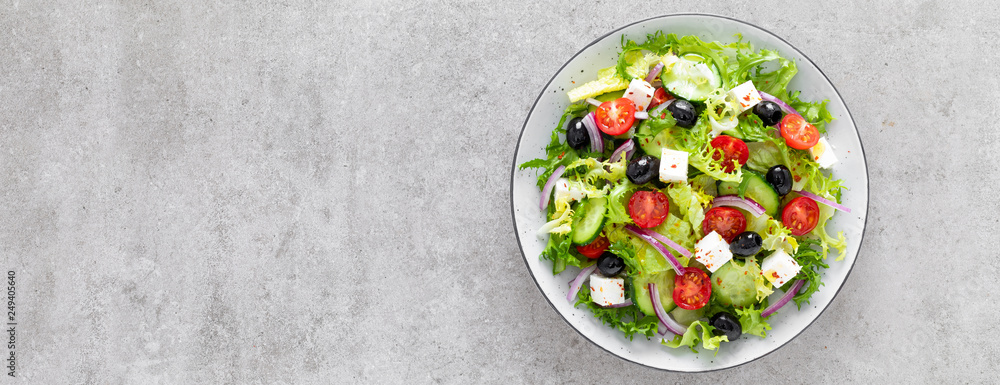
{"x": 687, "y": 183}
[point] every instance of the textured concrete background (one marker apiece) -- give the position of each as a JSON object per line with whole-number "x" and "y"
{"x": 318, "y": 192}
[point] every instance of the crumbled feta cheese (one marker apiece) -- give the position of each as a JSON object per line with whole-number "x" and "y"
{"x": 607, "y": 291}
{"x": 712, "y": 251}
{"x": 823, "y": 154}
{"x": 746, "y": 95}
{"x": 639, "y": 92}
{"x": 673, "y": 166}
{"x": 564, "y": 189}
{"x": 779, "y": 267}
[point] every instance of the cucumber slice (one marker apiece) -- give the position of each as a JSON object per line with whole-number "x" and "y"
{"x": 691, "y": 78}
{"x": 654, "y": 146}
{"x": 686, "y": 317}
{"x": 664, "y": 281}
{"x": 589, "y": 220}
{"x": 757, "y": 189}
{"x": 613, "y": 95}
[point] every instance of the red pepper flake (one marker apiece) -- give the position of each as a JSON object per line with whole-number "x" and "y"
{"x": 673, "y": 166}
{"x": 719, "y": 280}
{"x": 561, "y": 155}
{"x": 573, "y": 81}
{"x": 630, "y": 93}
{"x": 797, "y": 178}
{"x": 746, "y": 97}
{"x": 775, "y": 274}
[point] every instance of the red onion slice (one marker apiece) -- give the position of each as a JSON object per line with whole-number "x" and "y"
{"x": 627, "y": 303}
{"x": 594, "y": 102}
{"x": 596, "y": 141}
{"x": 667, "y": 241}
{"x": 641, "y": 115}
{"x": 783, "y": 105}
{"x": 625, "y": 147}
{"x": 548, "y": 187}
{"x": 665, "y": 319}
{"x": 741, "y": 203}
{"x": 824, "y": 201}
{"x": 792, "y": 291}
{"x": 577, "y": 283}
{"x": 656, "y": 71}
{"x": 645, "y": 236}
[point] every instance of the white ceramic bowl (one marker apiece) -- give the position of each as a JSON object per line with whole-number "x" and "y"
{"x": 544, "y": 116}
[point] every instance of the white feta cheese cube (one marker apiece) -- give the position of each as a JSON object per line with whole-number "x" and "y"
{"x": 607, "y": 291}
{"x": 639, "y": 92}
{"x": 564, "y": 189}
{"x": 779, "y": 267}
{"x": 823, "y": 154}
{"x": 746, "y": 95}
{"x": 712, "y": 251}
{"x": 673, "y": 166}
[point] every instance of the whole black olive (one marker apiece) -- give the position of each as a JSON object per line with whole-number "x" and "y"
{"x": 643, "y": 170}
{"x": 728, "y": 324}
{"x": 768, "y": 112}
{"x": 610, "y": 265}
{"x": 576, "y": 134}
{"x": 683, "y": 112}
{"x": 780, "y": 178}
{"x": 746, "y": 244}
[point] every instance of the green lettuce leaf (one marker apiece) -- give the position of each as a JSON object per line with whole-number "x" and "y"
{"x": 826, "y": 241}
{"x": 627, "y": 319}
{"x": 752, "y": 322}
{"x": 691, "y": 203}
{"x": 607, "y": 81}
{"x": 812, "y": 263}
{"x": 692, "y": 336}
{"x": 618, "y": 198}
{"x": 558, "y": 251}
{"x": 696, "y": 141}
{"x": 557, "y": 153}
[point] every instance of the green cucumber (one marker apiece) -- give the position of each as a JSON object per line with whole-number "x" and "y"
{"x": 686, "y": 317}
{"x": 687, "y": 78}
{"x": 589, "y": 220}
{"x": 756, "y": 188}
{"x": 664, "y": 281}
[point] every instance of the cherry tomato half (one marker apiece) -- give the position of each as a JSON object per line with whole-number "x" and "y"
{"x": 660, "y": 96}
{"x": 648, "y": 208}
{"x": 732, "y": 150}
{"x": 726, "y": 221}
{"x": 692, "y": 289}
{"x": 800, "y": 215}
{"x": 595, "y": 248}
{"x": 798, "y": 133}
{"x": 615, "y": 117}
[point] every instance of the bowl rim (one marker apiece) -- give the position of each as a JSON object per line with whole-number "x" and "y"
{"x": 602, "y": 37}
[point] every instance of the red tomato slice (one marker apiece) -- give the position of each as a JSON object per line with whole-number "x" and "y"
{"x": 726, "y": 221}
{"x": 801, "y": 215}
{"x": 659, "y": 97}
{"x": 732, "y": 150}
{"x": 595, "y": 248}
{"x": 615, "y": 117}
{"x": 648, "y": 208}
{"x": 692, "y": 289}
{"x": 798, "y": 133}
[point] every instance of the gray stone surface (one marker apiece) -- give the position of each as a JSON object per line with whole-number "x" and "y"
{"x": 317, "y": 192}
